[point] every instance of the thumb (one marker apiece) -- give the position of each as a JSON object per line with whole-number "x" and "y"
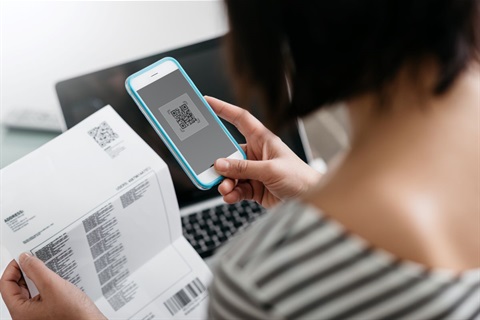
{"x": 241, "y": 169}
{"x": 37, "y": 271}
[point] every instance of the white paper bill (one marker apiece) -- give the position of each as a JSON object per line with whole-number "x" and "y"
{"x": 98, "y": 206}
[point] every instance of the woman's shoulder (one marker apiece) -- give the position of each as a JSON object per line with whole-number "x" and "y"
{"x": 295, "y": 259}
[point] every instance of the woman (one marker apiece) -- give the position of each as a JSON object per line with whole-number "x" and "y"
{"x": 393, "y": 230}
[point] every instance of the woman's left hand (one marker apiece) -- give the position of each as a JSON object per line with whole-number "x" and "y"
{"x": 58, "y": 298}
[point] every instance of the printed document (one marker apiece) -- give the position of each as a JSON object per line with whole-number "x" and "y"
{"x": 98, "y": 206}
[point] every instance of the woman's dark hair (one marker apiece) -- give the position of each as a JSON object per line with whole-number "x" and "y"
{"x": 333, "y": 50}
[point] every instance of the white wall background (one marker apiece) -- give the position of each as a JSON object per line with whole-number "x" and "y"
{"x": 44, "y": 42}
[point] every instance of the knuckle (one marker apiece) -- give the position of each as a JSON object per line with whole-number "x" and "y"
{"x": 48, "y": 286}
{"x": 269, "y": 166}
{"x": 241, "y": 166}
{"x": 244, "y": 113}
{"x": 276, "y": 139}
{"x": 241, "y": 116}
{"x": 273, "y": 166}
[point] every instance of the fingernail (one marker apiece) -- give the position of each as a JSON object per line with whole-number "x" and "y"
{"x": 24, "y": 257}
{"x": 222, "y": 165}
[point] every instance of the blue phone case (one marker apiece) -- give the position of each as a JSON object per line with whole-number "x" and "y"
{"x": 163, "y": 135}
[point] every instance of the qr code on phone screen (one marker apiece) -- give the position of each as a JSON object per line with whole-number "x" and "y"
{"x": 103, "y": 134}
{"x": 183, "y": 116}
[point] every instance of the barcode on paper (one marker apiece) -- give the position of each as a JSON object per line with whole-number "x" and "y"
{"x": 184, "y": 297}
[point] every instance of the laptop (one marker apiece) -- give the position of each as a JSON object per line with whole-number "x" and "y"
{"x": 207, "y": 221}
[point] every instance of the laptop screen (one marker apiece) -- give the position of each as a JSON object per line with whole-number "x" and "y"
{"x": 204, "y": 62}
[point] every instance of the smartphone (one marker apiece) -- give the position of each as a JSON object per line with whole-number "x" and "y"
{"x": 183, "y": 119}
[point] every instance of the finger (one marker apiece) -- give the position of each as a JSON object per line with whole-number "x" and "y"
{"x": 12, "y": 272}
{"x": 243, "y": 120}
{"x": 226, "y": 186}
{"x": 10, "y": 289}
{"x": 38, "y": 272}
{"x": 241, "y": 169}
{"x": 243, "y": 191}
{"x": 22, "y": 283}
{"x": 232, "y": 197}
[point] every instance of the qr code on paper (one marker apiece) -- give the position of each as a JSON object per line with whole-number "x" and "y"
{"x": 103, "y": 134}
{"x": 184, "y": 116}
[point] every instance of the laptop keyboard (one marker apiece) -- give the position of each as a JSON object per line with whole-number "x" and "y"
{"x": 207, "y": 230}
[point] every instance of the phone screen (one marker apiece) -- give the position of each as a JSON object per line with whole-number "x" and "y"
{"x": 186, "y": 120}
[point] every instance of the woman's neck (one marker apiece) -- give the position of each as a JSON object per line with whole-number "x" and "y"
{"x": 431, "y": 136}
{"x": 413, "y": 169}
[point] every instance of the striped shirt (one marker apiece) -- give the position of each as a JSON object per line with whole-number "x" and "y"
{"x": 297, "y": 263}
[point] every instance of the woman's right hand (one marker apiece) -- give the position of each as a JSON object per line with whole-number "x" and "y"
{"x": 271, "y": 173}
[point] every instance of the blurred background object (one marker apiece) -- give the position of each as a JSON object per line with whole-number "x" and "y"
{"x": 46, "y": 41}
{"x": 43, "y": 42}
{"x": 331, "y": 130}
